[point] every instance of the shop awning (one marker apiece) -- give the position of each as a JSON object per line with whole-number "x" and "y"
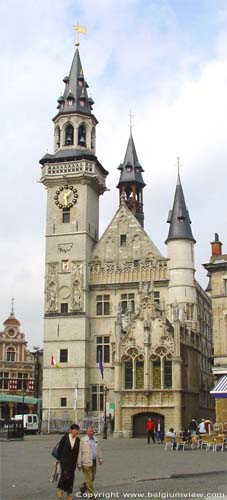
{"x": 7, "y": 398}
{"x": 220, "y": 389}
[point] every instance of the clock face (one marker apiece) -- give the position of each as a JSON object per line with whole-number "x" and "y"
{"x": 66, "y": 196}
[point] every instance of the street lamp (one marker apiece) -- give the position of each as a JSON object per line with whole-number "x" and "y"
{"x": 105, "y": 390}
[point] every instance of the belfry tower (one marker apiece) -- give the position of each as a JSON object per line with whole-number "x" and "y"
{"x": 131, "y": 182}
{"x": 74, "y": 179}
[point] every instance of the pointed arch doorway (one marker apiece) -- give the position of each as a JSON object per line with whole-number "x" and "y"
{"x": 140, "y": 420}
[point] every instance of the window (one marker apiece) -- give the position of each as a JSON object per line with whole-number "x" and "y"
{"x": 93, "y": 138}
{"x": 136, "y": 263}
{"x": 82, "y": 135}
{"x": 10, "y": 354}
{"x": 65, "y": 265}
{"x": 22, "y": 381}
{"x": 157, "y": 374}
{"x": 4, "y": 380}
{"x": 157, "y": 298}
{"x": 103, "y": 346}
{"x": 102, "y": 305}
{"x": 64, "y": 307}
{"x": 63, "y": 401}
{"x": 225, "y": 287}
{"x": 97, "y": 397}
{"x": 167, "y": 373}
{"x": 63, "y": 355}
{"x": 139, "y": 374}
{"x": 128, "y": 375}
{"x": 123, "y": 239}
{"x": 69, "y": 133}
{"x": 66, "y": 215}
{"x": 127, "y": 302}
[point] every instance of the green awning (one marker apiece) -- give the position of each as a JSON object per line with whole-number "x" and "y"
{"x": 7, "y": 398}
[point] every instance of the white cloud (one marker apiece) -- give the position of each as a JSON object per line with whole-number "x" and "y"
{"x": 136, "y": 56}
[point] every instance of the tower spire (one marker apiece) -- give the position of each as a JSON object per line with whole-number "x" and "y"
{"x": 131, "y": 182}
{"x": 179, "y": 219}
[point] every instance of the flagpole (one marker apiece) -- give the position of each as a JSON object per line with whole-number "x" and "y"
{"x": 75, "y": 400}
{"x": 50, "y": 388}
{"x": 99, "y": 405}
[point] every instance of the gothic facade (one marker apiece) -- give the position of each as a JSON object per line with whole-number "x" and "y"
{"x": 117, "y": 301}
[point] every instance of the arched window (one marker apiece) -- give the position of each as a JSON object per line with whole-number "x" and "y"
{"x": 128, "y": 374}
{"x": 69, "y": 135}
{"x": 167, "y": 373}
{"x": 82, "y": 135}
{"x": 139, "y": 373}
{"x": 10, "y": 354}
{"x": 58, "y": 136}
{"x": 157, "y": 373}
{"x": 93, "y": 138}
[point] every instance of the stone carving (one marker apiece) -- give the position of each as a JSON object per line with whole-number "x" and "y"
{"x": 65, "y": 247}
{"x": 77, "y": 286}
{"x": 52, "y": 287}
{"x": 76, "y": 300}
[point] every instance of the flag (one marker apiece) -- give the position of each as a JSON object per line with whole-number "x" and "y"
{"x": 53, "y": 362}
{"x": 100, "y": 363}
{"x": 75, "y": 397}
{"x": 80, "y": 29}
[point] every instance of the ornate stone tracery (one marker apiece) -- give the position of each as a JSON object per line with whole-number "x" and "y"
{"x": 52, "y": 287}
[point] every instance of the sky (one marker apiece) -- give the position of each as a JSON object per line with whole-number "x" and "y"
{"x": 163, "y": 60}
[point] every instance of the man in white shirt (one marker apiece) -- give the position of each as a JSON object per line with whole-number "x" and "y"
{"x": 89, "y": 454}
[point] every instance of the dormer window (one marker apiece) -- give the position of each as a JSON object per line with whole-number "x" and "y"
{"x": 69, "y": 133}
{"x": 81, "y": 103}
{"x": 70, "y": 102}
{"x": 82, "y": 135}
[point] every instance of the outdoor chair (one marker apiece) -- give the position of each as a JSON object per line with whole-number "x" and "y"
{"x": 180, "y": 443}
{"x": 219, "y": 442}
{"x": 195, "y": 442}
{"x": 207, "y": 442}
{"x": 169, "y": 443}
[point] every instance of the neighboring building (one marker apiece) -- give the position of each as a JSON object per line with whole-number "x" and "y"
{"x": 17, "y": 372}
{"x": 217, "y": 289}
{"x": 118, "y": 298}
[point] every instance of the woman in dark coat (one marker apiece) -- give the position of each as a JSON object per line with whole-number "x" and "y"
{"x": 68, "y": 450}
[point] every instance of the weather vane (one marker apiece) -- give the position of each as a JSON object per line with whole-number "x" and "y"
{"x": 79, "y": 29}
{"x": 131, "y": 116}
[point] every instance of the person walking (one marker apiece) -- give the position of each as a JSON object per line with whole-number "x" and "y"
{"x": 159, "y": 432}
{"x": 193, "y": 426}
{"x": 150, "y": 428}
{"x": 67, "y": 455}
{"x": 201, "y": 427}
{"x": 89, "y": 455}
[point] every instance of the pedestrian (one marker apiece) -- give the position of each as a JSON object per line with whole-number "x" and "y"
{"x": 150, "y": 428}
{"x": 173, "y": 436}
{"x": 89, "y": 455}
{"x": 67, "y": 455}
{"x": 193, "y": 426}
{"x": 159, "y": 432}
{"x": 201, "y": 427}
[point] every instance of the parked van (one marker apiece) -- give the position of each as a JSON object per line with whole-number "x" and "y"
{"x": 31, "y": 422}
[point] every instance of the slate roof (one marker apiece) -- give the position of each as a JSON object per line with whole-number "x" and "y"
{"x": 131, "y": 170}
{"x": 75, "y": 90}
{"x": 179, "y": 220}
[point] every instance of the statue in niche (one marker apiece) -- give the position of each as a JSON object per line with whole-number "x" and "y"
{"x": 146, "y": 336}
{"x": 119, "y": 314}
{"x": 51, "y": 301}
{"x": 76, "y": 299}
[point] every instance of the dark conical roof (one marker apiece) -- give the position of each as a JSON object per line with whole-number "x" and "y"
{"x": 178, "y": 218}
{"x": 131, "y": 170}
{"x": 75, "y": 97}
